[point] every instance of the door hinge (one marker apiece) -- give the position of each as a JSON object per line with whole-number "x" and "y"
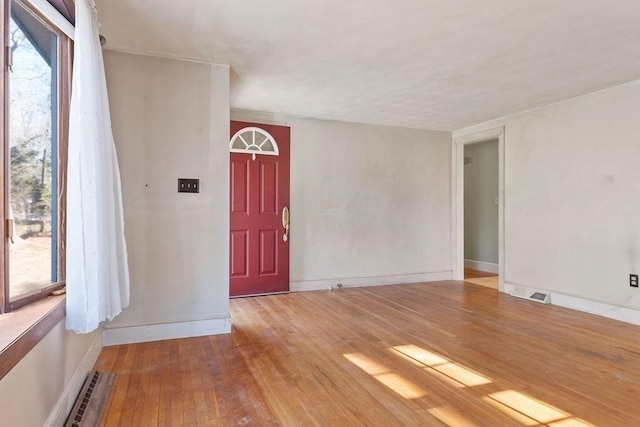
{"x": 9, "y": 58}
{"x": 9, "y": 230}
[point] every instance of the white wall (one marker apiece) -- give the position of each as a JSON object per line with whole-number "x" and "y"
{"x": 41, "y": 389}
{"x": 571, "y": 196}
{"x": 171, "y": 120}
{"x": 369, "y": 204}
{"x": 480, "y": 207}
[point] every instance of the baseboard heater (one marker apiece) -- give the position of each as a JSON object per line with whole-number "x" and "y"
{"x": 87, "y": 411}
{"x": 541, "y": 297}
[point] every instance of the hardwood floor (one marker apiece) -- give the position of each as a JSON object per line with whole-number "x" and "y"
{"x": 470, "y": 273}
{"x": 489, "y": 282}
{"x": 482, "y": 278}
{"x": 446, "y": 353}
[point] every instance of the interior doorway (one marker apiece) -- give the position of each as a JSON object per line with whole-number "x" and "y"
{"x": 478, "y": 206}
{"x": 481, "y": 213}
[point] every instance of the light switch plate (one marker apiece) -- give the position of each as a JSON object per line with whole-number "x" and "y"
{"x": 188, "y": 185}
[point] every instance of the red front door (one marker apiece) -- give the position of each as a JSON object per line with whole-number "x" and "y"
{"x": 259, "y": 249}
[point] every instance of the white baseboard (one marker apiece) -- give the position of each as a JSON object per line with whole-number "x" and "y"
{"x": 487, "y": 267}
{"x": 166, "y": 331}
{"x": 624, "y": 314}
{"x": 353, "y": 282}
{"x": 68, "y": 397}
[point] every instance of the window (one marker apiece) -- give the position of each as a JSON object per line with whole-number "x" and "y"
{"x": 35, "y": 106}
{"x": 253, "y": 140}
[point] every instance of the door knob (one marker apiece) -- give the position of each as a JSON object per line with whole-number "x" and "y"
{"x": 285, "y": 223}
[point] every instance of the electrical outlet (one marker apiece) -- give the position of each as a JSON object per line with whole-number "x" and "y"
{"x": 633, "y": 280}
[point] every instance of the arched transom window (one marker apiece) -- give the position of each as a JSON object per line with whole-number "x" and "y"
{"x": 253, "y": 140}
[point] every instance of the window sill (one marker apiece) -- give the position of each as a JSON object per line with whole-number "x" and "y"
{"x": 22, "y": 329}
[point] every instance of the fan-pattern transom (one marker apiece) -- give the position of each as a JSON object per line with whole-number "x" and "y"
{"x": 253, "y": 140}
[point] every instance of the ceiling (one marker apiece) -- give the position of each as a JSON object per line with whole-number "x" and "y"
{"x": 429, "y": 64}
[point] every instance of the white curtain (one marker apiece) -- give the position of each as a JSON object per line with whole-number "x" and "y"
{"x": 97, "y": 270}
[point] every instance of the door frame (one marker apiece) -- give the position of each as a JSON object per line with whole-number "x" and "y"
{"x": 457, "y": 200}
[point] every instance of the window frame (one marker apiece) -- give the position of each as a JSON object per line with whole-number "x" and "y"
{"x": 64, "y": 73}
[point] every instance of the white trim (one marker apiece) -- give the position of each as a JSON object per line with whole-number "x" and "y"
{"x": 354, "y": 282}
{"x": 63, "y": 407}
{"x": 166, "y": 331}
{"x": 56, "y": 18}
{"x": 457, "y": 200}
{"x": 623, "y": 314}
{"x": 267, "y": 135}
{"x": 487, "y": 267}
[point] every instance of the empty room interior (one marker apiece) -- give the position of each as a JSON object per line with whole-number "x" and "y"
{"x": 323, "y": 213}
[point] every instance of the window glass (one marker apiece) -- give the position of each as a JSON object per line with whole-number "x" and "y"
{"x": 33, "y": 153}
{"x": 252, "y": 139}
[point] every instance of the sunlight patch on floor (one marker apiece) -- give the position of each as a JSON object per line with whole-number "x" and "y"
{"x": 530, "y": 411}
{"x": 520, "y": 407}
{"x": 529, "y": 406}
{"x": 384, "y": 375}
{"x": 511, "y": 413}
{"x": 421, "y": 355}
{"x": 464, "y": 376}
{"x": 363, "y": 362}
{"x": 401, "y": 385}
{"x": 570, "y": 422}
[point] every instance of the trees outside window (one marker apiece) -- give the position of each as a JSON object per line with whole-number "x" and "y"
{"x": 33, "y": 144}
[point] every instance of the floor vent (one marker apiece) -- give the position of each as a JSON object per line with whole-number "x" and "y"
{"x": 531, "y": 295}
{"x": 91, "y": 401}
{"x": 540, "y": 297}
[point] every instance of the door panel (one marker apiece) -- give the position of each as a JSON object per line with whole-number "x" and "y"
{"x": 259, "y": 256}
{"x": 239, "y": 254}
{"x": 239, "y": 185}
{"x": 268, "y": 186}
{"x": 268, "y": 252}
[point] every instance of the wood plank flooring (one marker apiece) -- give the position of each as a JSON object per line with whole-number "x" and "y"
{"x": 445, "y": 353}
{"x": 482, "y": 278}
{"x": 489, "y": 282}
{"x": 470, "y": 273}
